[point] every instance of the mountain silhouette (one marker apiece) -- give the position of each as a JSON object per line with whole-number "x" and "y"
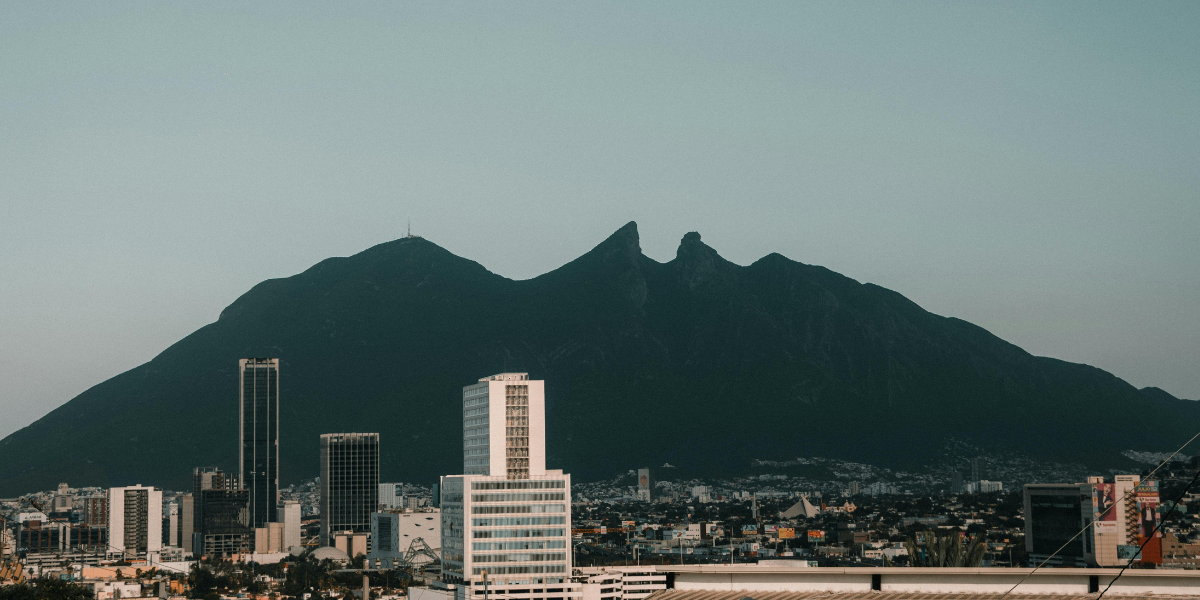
{"x": 696, "y": 361}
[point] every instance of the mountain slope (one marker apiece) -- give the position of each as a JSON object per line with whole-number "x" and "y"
{"x": 696, "y": 361}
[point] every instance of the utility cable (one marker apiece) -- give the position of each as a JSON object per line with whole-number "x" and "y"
{"x": 1152, "y": 533}
{"x": 1085, "y": 527}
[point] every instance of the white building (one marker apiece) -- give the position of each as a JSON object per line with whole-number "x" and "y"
{"x": 289, "y": 515}
{"x": 504, "y": 426}
{"x": 135, "y": 521}
{"x": 507, "y": 516}
{"x": 388, "y": 498}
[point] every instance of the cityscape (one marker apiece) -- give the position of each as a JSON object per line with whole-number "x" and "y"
{"x": 528, "y": 532}
{"x": 600, "y": 300}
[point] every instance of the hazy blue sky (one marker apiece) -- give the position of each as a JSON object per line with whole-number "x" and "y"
{"x": 1029, "y": 167}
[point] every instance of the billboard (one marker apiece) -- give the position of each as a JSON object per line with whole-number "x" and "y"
{"x": 750, "y": 529}
{"x": 816, "y": 535}
{"x": 770, "y": 529}
{"x": 787, "y": 533}
{"x": 645, "y": 484}
{"x": 1104, "y": 507}
{"x": 717, "y": 531}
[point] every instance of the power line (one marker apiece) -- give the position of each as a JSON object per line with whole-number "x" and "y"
{"x": 1152, "y": 533}
{"x": 1113, "y": 505}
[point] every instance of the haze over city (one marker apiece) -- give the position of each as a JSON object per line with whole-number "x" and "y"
{"x": 599, "y": 301}
{"x": 1028, "y": 167}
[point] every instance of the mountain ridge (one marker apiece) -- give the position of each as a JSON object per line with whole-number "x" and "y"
{"x": 646, "y": 362}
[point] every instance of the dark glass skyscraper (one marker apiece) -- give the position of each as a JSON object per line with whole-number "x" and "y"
{"x": 349, "y": 482}
{"x": 259, "y": 427}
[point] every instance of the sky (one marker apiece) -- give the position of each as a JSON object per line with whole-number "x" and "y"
{"x": 1029, "y": 167}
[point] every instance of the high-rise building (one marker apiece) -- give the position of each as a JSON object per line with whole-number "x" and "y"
{"x": 95, "y": 511}
{"x": 1109, "y": 514}
{"x": 978, "y": 468}
{"x": 221, "y": 523}
{"x": 390, "y": 496}
{"x": 187, "y": 521}
{"x": 289, "y": 512}
{"x": 349, "y": 483}
{"x": 259, "y": 431}
{"x": 504, "y": 426}
{"x": 135, "y": 521}
{"x": 645, "y": 486}
{"x": 508, "y": 515}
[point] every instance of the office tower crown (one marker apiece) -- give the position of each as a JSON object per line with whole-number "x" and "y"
{"x": 504, "y": 426}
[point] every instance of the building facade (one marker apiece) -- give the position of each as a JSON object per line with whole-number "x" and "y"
{"x": 259, "y": 436}
{"x": 221, "y": 523}
{"x": 135, "y": 522}
{"x": 349, "y": 483}
{"x": 507, "y": 518}
{"x": 504, "y": 426}
{"x": 1111, "y": 515}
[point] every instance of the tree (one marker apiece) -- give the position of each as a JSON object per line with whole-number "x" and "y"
{"x": 946, "y": 551}
{"x": 45, "y": 589}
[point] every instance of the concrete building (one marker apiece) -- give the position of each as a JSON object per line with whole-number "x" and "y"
{"x": 504, "y": 426}
{"x": 290, "y": 515}
{"x": 221, "y": 523}
{"x": 389, "y": 497}
{"x": 349, "y": 483}
{"x": 135, "y": 522}
{"x": 258, "y": 429}
{"x": 508, "y": 516}
{"x": 645, "y": 485}
{"x": 393, "y": 532}
{"x": 212, "y": 478}
{"x": 1110, "y": 512}
{"x": 187, "y": 521}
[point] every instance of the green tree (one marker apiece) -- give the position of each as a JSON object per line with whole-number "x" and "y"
{"x": 946, "y": 551}
{"x": 45, "y": 589}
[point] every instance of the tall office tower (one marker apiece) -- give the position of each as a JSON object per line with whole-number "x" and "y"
{"x": 349, "y": 483}
{"x": 259, "y": 429}
{"x": 134, "y": 521}
{"x": 978, "y": 468}
{"x": 504, "y": 426}
{"x": 515, "y": 513}
{"x": 187, "y": 521}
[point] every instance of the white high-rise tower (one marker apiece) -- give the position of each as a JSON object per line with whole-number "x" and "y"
{"x": 504, "y": 426}
{"x": 507, "y": 516}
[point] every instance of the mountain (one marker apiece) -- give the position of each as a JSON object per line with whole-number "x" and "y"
{"x": 697, "y": 361}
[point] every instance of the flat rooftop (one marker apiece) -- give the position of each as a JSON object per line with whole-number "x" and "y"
{"x": 700, "y": 595}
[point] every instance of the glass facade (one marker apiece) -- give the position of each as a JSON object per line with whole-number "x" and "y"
{"x": 259, "y": 420}
{"x": 349, "y": 482}
{"x": 221, "y": 522}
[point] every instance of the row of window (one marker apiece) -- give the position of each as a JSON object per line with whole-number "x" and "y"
{"x": 549, "y": 544}
{"x": 517, "y": 497}
{"x": 503, "y": 521}
{"x": 519, "y": 485}
{"x": 529, "y": 557}
{"x": 500, "y": 510}
{"x": 517, "y": 533}
{"x": 513, "y": 570}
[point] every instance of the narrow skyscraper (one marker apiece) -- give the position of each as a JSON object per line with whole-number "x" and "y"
{"x": 259, "y": 430}
{"x": 515, "y": 514}
{"x": 349, "y": 483}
